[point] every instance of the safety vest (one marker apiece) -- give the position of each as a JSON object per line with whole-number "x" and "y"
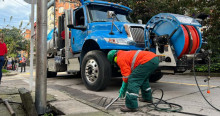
{"x": 129, "y": 60}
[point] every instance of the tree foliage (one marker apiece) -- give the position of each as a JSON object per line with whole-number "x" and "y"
{"x": 14, "y": 41}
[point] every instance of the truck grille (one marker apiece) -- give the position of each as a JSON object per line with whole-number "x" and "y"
{"x": 138, "y": 35}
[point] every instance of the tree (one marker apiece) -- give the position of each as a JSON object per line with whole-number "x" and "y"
{"x": 14, "y": 41}
{"x": 145, "y": 9}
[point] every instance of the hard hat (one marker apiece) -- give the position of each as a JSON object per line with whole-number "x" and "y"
{"x": 111, "y": 55}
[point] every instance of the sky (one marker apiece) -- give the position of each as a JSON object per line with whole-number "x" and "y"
{"x": 18, "y": 9}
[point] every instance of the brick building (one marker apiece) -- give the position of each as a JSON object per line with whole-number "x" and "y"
{"x": 61, "y": 5}
{"x": 27, "y": 34}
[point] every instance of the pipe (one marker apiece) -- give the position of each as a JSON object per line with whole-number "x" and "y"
{"x": 9, "y": 107}
{"x": 111, "y": 103}
{"x": 41, "y": 68}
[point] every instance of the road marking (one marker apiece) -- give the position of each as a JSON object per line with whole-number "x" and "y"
{"x": 186, "y": 84}
{"x": 27, "y": 73}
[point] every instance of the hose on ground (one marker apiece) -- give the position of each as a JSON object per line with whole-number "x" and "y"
{"x": 170, "y": 107}
{"x": 194, "y": 73}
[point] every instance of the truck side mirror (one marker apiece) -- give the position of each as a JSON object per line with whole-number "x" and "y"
{"x": 110, "y": 14}
{"x": 70, "y": 17}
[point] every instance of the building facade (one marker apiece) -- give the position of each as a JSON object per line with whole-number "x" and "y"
{"x": 60, "y": 7}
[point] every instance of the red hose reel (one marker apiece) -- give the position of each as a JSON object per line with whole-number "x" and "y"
{"x": 192, "y": 40}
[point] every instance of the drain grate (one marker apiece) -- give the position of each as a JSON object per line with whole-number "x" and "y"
{"x": 104, "y": 101}
{"x": 98, "y": 100}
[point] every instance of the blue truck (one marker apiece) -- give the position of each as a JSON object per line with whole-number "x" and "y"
{"x": 86, "y": 34}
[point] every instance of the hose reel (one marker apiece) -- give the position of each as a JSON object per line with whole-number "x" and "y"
{"x": 183, "y": 32}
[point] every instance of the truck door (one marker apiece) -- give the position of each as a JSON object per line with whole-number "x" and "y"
{"x": 79, "y": 32}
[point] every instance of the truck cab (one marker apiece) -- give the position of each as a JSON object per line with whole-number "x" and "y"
{"x": 90, "y": 23}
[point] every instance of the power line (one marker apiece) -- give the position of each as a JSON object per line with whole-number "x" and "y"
{"x": 12, "y": 18}
{"x": 22, "y": 4}
{"x": 7, "y": 21}
{"x": 26, "y": 20}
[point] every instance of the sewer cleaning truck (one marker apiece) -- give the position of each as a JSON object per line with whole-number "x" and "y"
{"x": 84, "y": 36}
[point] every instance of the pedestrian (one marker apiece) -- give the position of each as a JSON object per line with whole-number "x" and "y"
{"x": 3, "y": 52}
{"x": 9, "y": 64}
{"x": 136, "y": 68}
{"x": 5, "y": 63}
{"x": 13, "y": 64}
{"x": 23, "y": 63}
{"x": 16, "y": 64}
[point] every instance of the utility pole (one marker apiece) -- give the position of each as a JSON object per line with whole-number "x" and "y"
{"x": 54, "y": 32}
{"x": 32, "y": 45}
{"x": 32, "y": 2}
{"x": 41, "y": 68}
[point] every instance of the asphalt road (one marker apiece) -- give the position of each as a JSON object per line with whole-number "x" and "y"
{"x": 179, "y": 89}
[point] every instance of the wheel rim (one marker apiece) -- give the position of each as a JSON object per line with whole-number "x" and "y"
{"x": 91, "y": 71}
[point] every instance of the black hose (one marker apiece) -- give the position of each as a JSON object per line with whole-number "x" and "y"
{"x": 198, "y": 84}
{"x": 170, "y": 108}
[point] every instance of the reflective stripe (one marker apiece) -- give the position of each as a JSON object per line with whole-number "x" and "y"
{"x": 134, "y": 59}
{"x": 148, "y": 89}
{"x": 125, "y": 77}
{"x": 134, "y": 94}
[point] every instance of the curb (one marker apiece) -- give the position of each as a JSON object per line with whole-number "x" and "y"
{"x": 9, "y": 74}
{"x": 201, "y": 74}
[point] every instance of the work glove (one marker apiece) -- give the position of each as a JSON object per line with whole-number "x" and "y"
{"x": 123, "y": 90}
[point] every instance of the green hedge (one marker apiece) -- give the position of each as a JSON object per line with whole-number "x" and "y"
{"x": 214, "y": 67}
{"x": 4, "y": 71}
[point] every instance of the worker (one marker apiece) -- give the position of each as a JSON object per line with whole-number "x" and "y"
{"x": 3, "y": 51}
{"x": 136, "y": 68}
{"x": 23, "y": 63}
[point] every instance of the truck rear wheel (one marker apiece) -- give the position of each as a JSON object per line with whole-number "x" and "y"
{"x": 51, "y": 74}
{"x": 157, "y": 75}
{"x": 95, "y": 70}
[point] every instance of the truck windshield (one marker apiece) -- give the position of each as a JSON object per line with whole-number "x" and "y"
{"x": 98, "y": 13}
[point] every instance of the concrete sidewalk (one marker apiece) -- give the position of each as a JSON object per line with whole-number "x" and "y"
{"x": 71, "y": 106}
{"x": 60, "y": 102}
{"x": 60, "y": 106}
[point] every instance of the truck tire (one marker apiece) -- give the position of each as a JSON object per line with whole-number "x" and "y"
{"x": 95, "y": 70}
{"x": 51, "y": 74}
{"x": 157, "y": 75}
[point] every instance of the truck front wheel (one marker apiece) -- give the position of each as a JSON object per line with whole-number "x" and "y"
{"x": 95, "y": 70}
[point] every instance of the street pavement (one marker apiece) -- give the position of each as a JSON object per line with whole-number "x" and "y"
{"x": 72, "y": 97}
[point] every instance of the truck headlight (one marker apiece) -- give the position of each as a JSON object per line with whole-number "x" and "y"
{"x": 121, "y": 41}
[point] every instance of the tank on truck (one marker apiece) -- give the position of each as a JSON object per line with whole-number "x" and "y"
{"x": 49, "y": 5}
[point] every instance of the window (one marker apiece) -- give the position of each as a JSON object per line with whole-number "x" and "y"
{"x": 79, "y": 18}
{"x": 98, "y": 13}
